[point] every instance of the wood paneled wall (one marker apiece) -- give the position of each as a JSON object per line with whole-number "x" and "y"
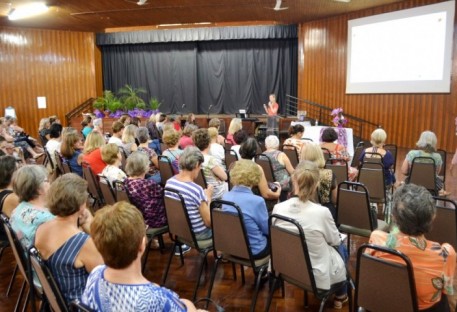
{"x": 322, "y": 79}
{"x": 63, "y": 66}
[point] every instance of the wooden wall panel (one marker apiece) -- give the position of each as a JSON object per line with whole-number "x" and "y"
{"x": 63, "y": 66}
{"x": 322, "y": 79}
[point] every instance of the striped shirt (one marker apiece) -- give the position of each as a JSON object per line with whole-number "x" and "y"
{"x": 193, "y": 195}
{"x": 71, "y": 280}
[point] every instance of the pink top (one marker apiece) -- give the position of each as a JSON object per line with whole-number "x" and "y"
{"x": 185, "y": 141}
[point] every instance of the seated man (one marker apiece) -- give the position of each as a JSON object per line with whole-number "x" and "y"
{"x": 433, "y": 264}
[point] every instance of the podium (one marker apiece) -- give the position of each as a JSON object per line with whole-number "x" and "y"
{"x": 273, "y": 125}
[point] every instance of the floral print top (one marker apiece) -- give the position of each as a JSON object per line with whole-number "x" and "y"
{"x": 433, "y": 264}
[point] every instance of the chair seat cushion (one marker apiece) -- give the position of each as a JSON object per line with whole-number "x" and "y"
{"x": 382, "y": 225}
{"x": 246, "y": 262}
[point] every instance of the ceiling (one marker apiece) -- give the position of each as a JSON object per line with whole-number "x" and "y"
{"x": 101, "y": 15}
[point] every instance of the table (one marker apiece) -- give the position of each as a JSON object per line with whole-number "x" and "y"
{"x": 345, "y": 135}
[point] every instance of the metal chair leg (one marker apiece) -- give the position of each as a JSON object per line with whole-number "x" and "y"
{"x": 164, "y": 279}
{"x": 13, "y": 278}
{"x": 202, "y": 265}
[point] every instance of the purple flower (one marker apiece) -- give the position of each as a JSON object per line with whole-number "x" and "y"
{"x": 336, "y": 111}
{"x": 98, "y": 113}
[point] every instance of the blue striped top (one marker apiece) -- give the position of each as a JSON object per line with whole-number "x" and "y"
{"x": 193, "y": 195}
{"x": 71, "y": 280}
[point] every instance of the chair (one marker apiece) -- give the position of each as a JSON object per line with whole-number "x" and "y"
{"x": 307, "y": 139}
{"x": 227, "y": 146}
{"x": 371, "y": 160}
{"x": 291, "y": 152}
{"x": 444, "y": 229}
{"x": 107, "y": 191}
{"x": 93, "y": 186}
{"x": 230, "y": 158}
{"x": 291, "y": 262}
{"x": 181, "y": 232}
{"x": 165, "y": 168}
{"x": 222, "y": 127}
{"x": 372, "y": 176}
{"x": 442, "y": 172}
{"x": 357, "y": 152}
{"x": 393, "y": 149}
{"x": 231, "y": 243}
{"x": 339, "y": 168}
{"x": 62, "y": 165}
{"x": 124, "y": 157}
{"x": 78, "y": 306}
{"x": 50, "y": 288}
{"x": 48, "y": 159}
{"x": 121, "y": 191}
{"x": 265, "y": 163}
{"x": 163, "y": 147}
{"x": 327, "y": 154}
{"x": 423, "y": 172}
{"x": 376, "y": 276}
{"x": 353, "y": 211}
{"x": 201, "y": 180}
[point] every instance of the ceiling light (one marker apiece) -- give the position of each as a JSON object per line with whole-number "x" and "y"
{"x": 27, "y": 10}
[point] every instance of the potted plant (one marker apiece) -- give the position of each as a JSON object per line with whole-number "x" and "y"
{"x": 130, "y": 97}
{"x": 154, "y": 105}
{"x": 106, "y": 103}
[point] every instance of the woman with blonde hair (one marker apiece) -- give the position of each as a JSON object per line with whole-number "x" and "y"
{"x": 128, "y": 139}
{"x": 216, "y": 123}
{"x": 111, "y": 155}
{"x": 235, "y": 125}
{"x": 215, "y": 149}
{"x": 92, "y": 153}
{"x": 71, "y": 149}
{"x": 173, "y": 152}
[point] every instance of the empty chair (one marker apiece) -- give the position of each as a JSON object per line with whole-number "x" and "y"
{"x": 423, "y": 172}
{"x": 376, "y": 277}
{"x": 444, "y": 229}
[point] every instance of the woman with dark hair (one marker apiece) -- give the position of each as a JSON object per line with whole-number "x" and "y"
{"x": 87, "y": 125}
{"x": 71, "y": 149}
{"x": 239, "y": 137}
{"x": 433, "y": 264}
{"x": 295, "y": 137}
{"x": 8, "y": 199}
{"x": 64, "y": 242}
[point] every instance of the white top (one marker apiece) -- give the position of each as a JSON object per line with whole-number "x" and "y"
{"x": 217, "y": 151}
{"x": 113, "y": 173}
{"x": 52, "y": 146}
{"x": 115, "y": 140}
{"x": 220, "y": 187}
{"x": 236, "y": 149}
{"x": 321, "y": 234}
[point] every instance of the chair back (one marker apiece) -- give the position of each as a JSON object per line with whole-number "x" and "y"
{"x": 393, "y": 149}
{"x": 230, "y": 158}
{"x": 265, "y": 163}
{"x": 372, "y": 176}
{"x": 357, "y": 152}
{"x": 292, "y": 153}
{"x": 62, "y": 165}
{"x": 371, "y": 160}
{"x": 423, "y": 172}
{"x": 123, "y": 156}
{"x": 201, "y": 180}
{"x": 48, "y": 159}
{"x": 442, "y": 172}
{"x": 290, "y": 260}
{"x": 93, "y": 186}
{"x": 165, "y": 168}
{"x": 121, "y": 191}
{"x": 444, "y": 229}
{"x": 50, "y": 287}
{"x": 229, "y": 232}
{"x": 339, "y": 168}
{"x": 376, "y": 276}
{"x": 78, "y": 306}
{"x": 179, "y": 224}
{"x": 227, "y": 146}
{"x": 353, "y": 206}
{"x": 326, "y": 153}
{"x": 222, "y": 127}
{"x": 107, "y": 190}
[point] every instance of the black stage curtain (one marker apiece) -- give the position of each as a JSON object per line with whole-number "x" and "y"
{"x": 202, "y": 77}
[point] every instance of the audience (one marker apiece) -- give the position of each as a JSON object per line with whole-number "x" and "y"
{"x": 215, "y": 149}
{"x": 154, "y": 134}
{"x": 433, "y": 264}
{"x": 326, "y": 250}
{"x": 63, "y": 242}
{"x": 244, "y": 175}
{"x": 111, "y": 155}
{"x": 8, "y": 199}
{"x": 119, "y": 285}
{"x": 92, "y": 153}
{"x": 98, "y": 125}
{"x": 216, "y": 123}
{"x": 118, "y": 129}
{"x": 186, "y": 138}
{"x": 87, "y": 125}
{"x": 128, "y": 139}
{"x": 71, "y": 149}
{"x": 235, "y": 125}
{"x": 43, "y": 130}
{"x": 54, "y": 141}
{"x": 239, "y": 137}
{"x": 142, "y": 135}
{"x": 171, "y": 140}
{"x": 295, "y": 138}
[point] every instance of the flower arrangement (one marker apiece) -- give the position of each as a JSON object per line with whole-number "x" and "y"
{"x": 338, "y": 118}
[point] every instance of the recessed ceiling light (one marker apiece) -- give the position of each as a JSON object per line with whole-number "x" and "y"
{"x": 27, "y": 10}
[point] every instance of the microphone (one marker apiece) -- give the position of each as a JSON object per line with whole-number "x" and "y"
{"x": 209, "y": 108}
{"x": 183, "y": 105}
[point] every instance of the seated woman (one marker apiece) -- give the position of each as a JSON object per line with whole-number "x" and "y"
{"x": 92, "y": 153}
{"x": 248, "y": 151}
{"x": 142, "y": 135}
{"x": 433, "y": 264}
{"x": 239, "y": 137}
{"x": 145, "y": 194}
{"x": 54, "y": 142}
{"x": 43, "y": 130}
{"x": 186, "y": 137}
{"x": 326, "y": 250}
{"x": 71, "y": 149}
{"x": 128, "y": 139}
{"x": 64, "y": 242}
{"x": 173, "y": 152}
{"x": 215, "y": 149}
{"x": 196, "y": 199}
{"x": 87, "y": 125}
{"x": 214, "y": 174}
{"x": 113, "y": 159}
{"x": 329, "y": 136}
{"x": 216, "y": 123}
{"x": 31, "y": 185}
{"x": 295, "y": 138}
{"x": 378, "y": 140}
{"x": 8, "y": 199}
{"x": 327, "y": 187}
{"x": 154, "y": 134}
{"x": 119, "y": 285}
{"x": 426, "y": 147}
{"x": 244, "y": 175}
{"x": 235, "y": 125}
{"x": 282, "y": 168}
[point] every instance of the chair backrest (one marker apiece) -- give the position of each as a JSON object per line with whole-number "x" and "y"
{"x": 107, "y": 191}
{"x": 292, "y": 153}
{"x": 357, "y": 152}
{"x": 230, "y": 158}
{"x": 290, "y": 260}
{"x": 265, "y": 163}
{"x": 442, "y": 172}
{"x": 93, "y": 185}
{"x": 376, "y": 277}
{"x": 326, "y": 153}
{"x": 63, "y": 166}
{"x": 201, "y": 180}
{"x": 78, "y": 306}
{"x": 165, "y": 168}
{"x": 371, "y": 159}
{"x": 179, "y": 224}
{"x": 353, "y": 206}
{"x": 163, "y": 147}
{"x": 222, "y": 127}
{"x": 339, "y": 168}
{"x": 48, "y": 159}
{"x": 227, "y": 146}
{"x": 229, "y": 232}
{"x": 444, "y": 229}
{"x": 123, "y": 156}
{"x": 120, "y": 191}
{"x": 372, "y": 176}
{"x": 50, "y": 287}
{"x": 393, "y": 149}
{"x": 423, "y": 172}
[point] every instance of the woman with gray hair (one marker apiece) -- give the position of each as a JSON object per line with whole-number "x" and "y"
{"x": 282, "y": 168}
{"x": 426, "y": 147}
{"x": 31, "y": 185}
{"x": 433, "y": 264}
